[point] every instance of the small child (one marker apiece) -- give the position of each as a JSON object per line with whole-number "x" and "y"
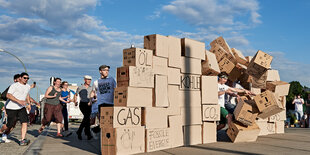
{"x": 3, "y": 120}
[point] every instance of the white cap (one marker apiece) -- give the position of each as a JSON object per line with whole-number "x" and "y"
{"x": 87, "y": 77}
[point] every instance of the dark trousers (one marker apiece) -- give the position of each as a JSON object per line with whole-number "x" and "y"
{"x": 65, "y": 116}
{"x": 86, "y": 111}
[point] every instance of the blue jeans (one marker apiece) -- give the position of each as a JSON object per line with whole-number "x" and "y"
{"x": 299, "y": 114}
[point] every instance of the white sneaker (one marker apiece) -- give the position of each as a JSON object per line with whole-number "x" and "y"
{"x": 5, "y": 139}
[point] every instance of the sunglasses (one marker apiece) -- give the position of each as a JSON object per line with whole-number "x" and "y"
{"x": 26, "y": 78}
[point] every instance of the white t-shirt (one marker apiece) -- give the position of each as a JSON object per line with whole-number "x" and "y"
{"x": 20, "y": 92}
{"x": 222, "y": 87}
{"x": 298, "y": 104}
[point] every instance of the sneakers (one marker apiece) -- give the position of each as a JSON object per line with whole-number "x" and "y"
{"x": 24, "y": 142}
{"x": 5, "y": 138}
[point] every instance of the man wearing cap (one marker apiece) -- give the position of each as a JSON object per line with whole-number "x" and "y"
{"x": 84, "y": 92}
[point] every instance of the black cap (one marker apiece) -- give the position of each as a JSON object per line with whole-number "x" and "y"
{"x": 103, "y": 67}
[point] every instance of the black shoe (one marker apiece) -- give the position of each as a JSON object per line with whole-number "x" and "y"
{"x": 89, "y": 137}
{"x": 79, "y": 134}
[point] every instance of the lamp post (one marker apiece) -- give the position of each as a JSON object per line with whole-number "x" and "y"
{"x": 1, "y": 50}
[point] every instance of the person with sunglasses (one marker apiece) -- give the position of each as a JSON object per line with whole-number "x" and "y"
{"x": 18, "y": 95}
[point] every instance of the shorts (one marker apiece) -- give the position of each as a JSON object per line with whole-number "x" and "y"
{"x": 230, "y": 107}
{"x": 14, "y": 115}
{"x": 224, "y": 114}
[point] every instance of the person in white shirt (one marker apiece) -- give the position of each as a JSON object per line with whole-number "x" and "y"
{"x": 298, "y": 107}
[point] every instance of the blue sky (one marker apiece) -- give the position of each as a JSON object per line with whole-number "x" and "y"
{"x": 71, "y": 38}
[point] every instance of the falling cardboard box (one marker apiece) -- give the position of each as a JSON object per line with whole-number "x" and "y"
{"x": 221, "y": 41}
{"x": 266, "y": 127}
{"x": 209, "y": 132}
{"x": 211, "y": 112}
{"x": 273, "y": 75}
{"x": 192, "y": 135}
{"x": 173, "y": 98}
{"x": 210, "y": 66}
{"x": 157, "y": 139}
{"x": 153, "y": 117}
{"x": 209, "y": 90}
{"x": 114, "y": 117}
{"x": 158, "y": 43}
{"x": 193, "y": 49}
{"x": 160, "y": 95}
{"x": 135, "y": 77}
{"x": 239, "y": 57}
{"x": 128, "y": 140}
{"x": 261, "y": 82}
{"x": 239, "y": 133}
{"x": 259, "y": 64}
{"x": 236, "y": 72}
{"x": 131, "y": 97}
{"x": 174, "y": 52}
{"x": 267, "y": 104}
{"x": 176, "y": 136}
{"x": 281, "y": 116}
{"x": 137, "y": 57}
{"x": 226, "y": 66}
{"x": 190, "y": 65}
{"x": 160, "y": 65}
{"x": 190, "y": 82}
{"x": 221, "y": 53}
{"x": 281, "y": 88}
{"x": 246, "y": 112}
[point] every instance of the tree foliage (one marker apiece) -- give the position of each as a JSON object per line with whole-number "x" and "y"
{"x": 295, "y": 89}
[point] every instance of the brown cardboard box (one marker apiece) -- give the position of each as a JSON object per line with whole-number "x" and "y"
{"x": 259, "y": 64}
{"x": 248, "y": 58}
{"x": 210, "y": 66}
{"x": 282, "y": 100}
{"x": 158, "y": 43}
{"x": 192, "y": 135}
{"x": 174, "y": 76}
{"x": 193, "y": 49}
{"x": 114, "y": 117}
{"x": 220, "y": 41}
{"x": 273, "y": 75}
{"x": 211, "y": 112}
{"x": 239, "y": 57}
{"x": 265, "y": 127}
{"x": 173, "y": 98}
{"x": 239, "y": 133}
{"x": 161, "y": 91}
{"x": 226, "y": 66}
{"x": 176, "y": 136}
{"x": 259, "y": 83}
{"x": 135, "y": 76}
{"x": 281, "y": 116}
{"x": 279, "y": 87}
{"x": 221, "y": 53}
{"x": 209, "y": 132}
{"x": 236, "y": 72}
{"x": 267, "y": 104}
{"x": 129, "y": 140}
{"x": 190, "y": 98}
{"x": 279, "y": 127}
{"x": 190, "y": 82}
{"x": 174, "y": 52}
{"x": 255, "y": 90}
{"x": 160, "y": 65}
{"x": 246, "y": 112}
{"x": 191, "y": 115}
{"x": 137, "y": 57}
{"x": 131, "y": 97}
{"x": 209, "y": 90}
{"x": 190, "y": 65}
{"x": 157, "y": 139}
{"x": 153, "y": 117}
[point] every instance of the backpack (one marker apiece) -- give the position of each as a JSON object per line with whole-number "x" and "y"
{"x": 3, "y": 94}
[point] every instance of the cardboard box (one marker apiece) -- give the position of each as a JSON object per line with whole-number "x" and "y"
{"x": 174, "y": 102}
{"x": 131, "y": 97}
{"x": 135, "y": 76}
{"x": 161, "y": 91}
{"x": 190, "y": 82}
{"x": 160, "y": 65}
{"x": 259, "y": 64}
{"x": 190, "y": 98}
{"x": 174, "y": 52}
{"x": 210, "y": 66}
{"x": 137, "y": 57}
{"x": 209, "y": 132}
{"x": 279, "y": 87}
{"x": 192, "y": 135}
{"x": 193, "y": 49}
{"x": 255, "y": 90}
{"x": 114, "y": 117}
{"x": 191, "y": 115}
{"x": 248, "y": 58}
{"x": 122, "y": 140}
{"x": 246, "y": 112}
{"x": 221, "y": 53}
{"x": 158, "y": 43}
{"x": 211, "y": 112}
{"x": 282, "y": 100}
{"x": 174, "y": 76}
{"x": 264, "y": 129}
{"x": 239, "y": 57}
{"x": 273, "y": 75}
{"x": 176, "y": 136}
{"x": 221, "y": 41}
{"x": 281, "y": 116}
{"x": 259, "y": 83}
{"x": 236, "y": 72}
{"x": 239, "y": 133}
{"x": 153, "y": 117}
{"x": 157, "y": 139}
{"x": 209, "y": 90}
{"x": 267, "y": 104}
{"x": 279, "y": 127}
{"x": 226, "y": 66}
{"x": 190, "y": 65}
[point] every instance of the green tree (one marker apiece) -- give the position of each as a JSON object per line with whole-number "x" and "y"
{"x": 295, "y": 89}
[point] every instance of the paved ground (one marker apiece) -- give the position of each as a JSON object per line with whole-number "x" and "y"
{"x": 295, "y": 141}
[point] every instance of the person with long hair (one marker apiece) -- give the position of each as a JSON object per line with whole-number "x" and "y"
{"x": 65, "y": 95}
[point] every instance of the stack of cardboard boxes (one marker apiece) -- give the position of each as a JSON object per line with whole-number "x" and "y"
{"x": 167, "y": 96}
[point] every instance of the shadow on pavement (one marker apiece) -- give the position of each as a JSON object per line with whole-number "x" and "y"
{"x": 220, "y": 150}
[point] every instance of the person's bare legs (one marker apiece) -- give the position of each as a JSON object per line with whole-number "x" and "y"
{"x": 59, "y": 127}
{"x": 23, "y": 130}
